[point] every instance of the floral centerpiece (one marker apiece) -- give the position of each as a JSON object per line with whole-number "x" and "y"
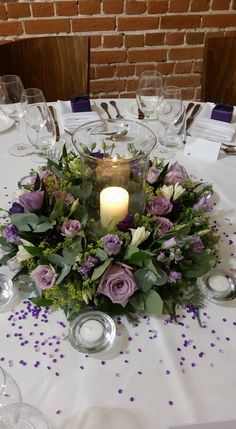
{"x": 145, "y": 263}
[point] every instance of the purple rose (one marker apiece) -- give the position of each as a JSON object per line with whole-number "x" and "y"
{"x": 118, "y": 284}
{"x": 163, "y": 225}
{"x": 10, "y": 233}
{"x": 159, "y": 206}
{"x": 126, "y": 224}
{"x": 203, "y": 204}
{"x": 32, "y": 201}
{"x": 174, "y": 276}
{"x": 176, "y": 174}
{"x": 112, "y": 244}
{"x": 16, "y": 208}
{"x": 197, "y": 245}
{"x": 44, "y": 276}
{"x": 153, "y": 174}
{"x": 87, "y": 266}
{"x": 71, "y": 228}
{"x": 169, "y": 243}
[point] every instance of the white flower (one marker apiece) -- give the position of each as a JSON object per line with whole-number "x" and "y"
{"x": 13, "y": 264}
{"x": 167, "y": 191}
{"x": 139, "y": 235}
{"x": 23, "y": 254}
{"x": 178, "y": 191}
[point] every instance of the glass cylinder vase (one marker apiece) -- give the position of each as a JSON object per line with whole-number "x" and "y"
{"x": 114, "y": 163}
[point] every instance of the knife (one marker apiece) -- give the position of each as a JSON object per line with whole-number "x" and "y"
{"x": 51, "y": 108}
{"x": 192, "y": 116}
{"x": 179, "y": 120}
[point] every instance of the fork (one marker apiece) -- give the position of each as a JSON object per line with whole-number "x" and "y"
{"x": 118, "y": 116}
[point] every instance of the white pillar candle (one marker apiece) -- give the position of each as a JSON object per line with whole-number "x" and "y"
{"x": 114, "y": 202}
{"x": 91, "y": 332}
{"x": 219, "y": 283}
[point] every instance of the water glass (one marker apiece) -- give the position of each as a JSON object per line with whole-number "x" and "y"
{"x": 9, "y": 390}
{"x": 149, "y": 91}
{"x": 44, "y": 139}
{"x": 22, "y": 416}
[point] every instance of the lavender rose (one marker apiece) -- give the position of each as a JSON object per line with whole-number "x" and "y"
{"x": 16, "y": 208}
{"x": 112, "y": 244}
{"x": 159, "y": 206}
{"x": 169, "y": 243}
{"x": 163, "y": 225}
{"x": 153, "y": 174}
{"x": 118, "y": 284}
{"x": 71, "y": 228}
{"x": 203, "y": 204}
{"x": 32, "y": 201}
{"x": 197, "y": 245}
{"x": 10, "y": 233}
{"x": 176, "y": 174}
{"x": 44, "y": 276}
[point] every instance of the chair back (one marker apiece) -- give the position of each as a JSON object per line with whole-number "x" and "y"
{"x": 59, "y": 65}
{"x": 219, "y": 70}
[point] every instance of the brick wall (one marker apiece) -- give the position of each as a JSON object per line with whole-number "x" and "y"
{"x": 128, "y": 36}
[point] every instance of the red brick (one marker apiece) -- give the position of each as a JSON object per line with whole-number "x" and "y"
{"x": 220, "y": 4}
{"x": 157, "y": 6}
{"x": 165, "y": 68}
{"x": 93, "y": 24}
{"x": 179, "y": 6}
{"x": 18, "y": 10}
{"x": 147, "y": 55}
{"x": 134, "y": 7}
{"x": 89, "y": 7}
{"x": 10, "y": 28}
{"x": 92, "y": 72}
{"x": 95, "y": 41}
{"x": 45, "y": 26}
{"x": 42, "y": 9}
{"x": 174, "y": 38}
{"x": 183, "y": 67}
{"x": 107, "y": 57}
{"x": 66, "y": 8}
{"x": 113, "y": 7}
{"x": 198, "y": 66}
{"x": 124, "y": 70}
{"x": 3, "y": 12}
{"x": 143, "y": 67}
{"x": 154, "y": 39}
{"x": 132, "y": 85}
{"x": 107, "y": 86}
{"x": 185, "y": 53}
{"x": 127, "y": 95}
{"x": 144, "y": 23}
{"x": 198, "y": 92}
{"x": 134, "y": 40}
{"x": 195, "y": 38}
{"x": 200, "y": 5}
{"x": 180, "y": 21}
{"x": 188, "y": 93}
{"x": 104, "y": 71}
{"x": 183, "y": 81}
{"x": 113, "y": 41}
{"x": 226, "y": 20}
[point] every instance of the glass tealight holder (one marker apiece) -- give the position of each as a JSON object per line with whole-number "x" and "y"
{"x": 92, "y": 332}
{"x": 218, "y": 286}
{"x": 115, "y": 155}
{"x": 6, "y": 290}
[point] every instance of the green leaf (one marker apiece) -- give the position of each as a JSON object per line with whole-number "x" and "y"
{"x": 131, "y": 250}
{"x": 101, "y": 254}
{"x": 137, "y": 302}
{"x": 41, "y": 302}
{"x": 42, "y": 227}
{"x": 57, "y": 211}
{"x": 100, "y": 270}
{"x": 64, "y": 272}
{"x": 25, "y": 221}
{"x": 200, "y": 264}
{"x": 145, "y": 279}
{"x": 69, "y": 256}
{"x": 74, "y": 207}
{"x": 35, "y": 251}
{"x": 55, "y": 169}
{"x": 57, "y": 260}
{"x": 161, "y": 276}
{"x": 153, "y": 303}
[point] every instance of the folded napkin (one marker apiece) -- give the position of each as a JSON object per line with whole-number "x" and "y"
{"x": 69, "y": 120}
{"x": 205, "y": 127}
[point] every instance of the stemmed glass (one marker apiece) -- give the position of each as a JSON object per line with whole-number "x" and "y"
{"x": 40, "y": 126}
{"x": 149, "y": 91}
{"x": 11, "y": 89}
{"x": 9, "y": 390}
{"x": 169, "y": 111}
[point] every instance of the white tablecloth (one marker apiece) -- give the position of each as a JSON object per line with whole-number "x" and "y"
{"x": 160, "y": 374}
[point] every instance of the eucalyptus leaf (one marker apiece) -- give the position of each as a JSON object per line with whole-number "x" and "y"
{"x": 161, "y": 276}
{"x": 137, "y": 302}
{"x": 25, "y": 221}
{"x": 58, "y": 211}
{"x": 101, "y": 269}
{"x": 57, "y": 260}
{"x": 43, "y": 227}
{"x": 35, "y": 251}
{"x": 131, "y": 250}
{"x": 200, "y": 264}
{"x": 69, "y": 256}
{"x": 41, "y": 302}
{"x": 153, "y": 303}
{"x": 145, "y": 279}
{"x": 101, "y": 254}
{"x": 64, "y": 272}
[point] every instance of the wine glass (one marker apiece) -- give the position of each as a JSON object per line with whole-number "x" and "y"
{"x": 169, "y": 111}
{"x": 40, "y": 125}
{"x": 9, "y": 390}
{"x": 11, "y": 89}
{"x": 149, "y": 91}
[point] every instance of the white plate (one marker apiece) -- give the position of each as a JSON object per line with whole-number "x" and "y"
{"x": 5, "y": 122}
{"x": 133, "y": 111}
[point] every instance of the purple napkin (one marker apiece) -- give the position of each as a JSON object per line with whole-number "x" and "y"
{"x": 222, "y": 112}
{"x": 80, "y": 103}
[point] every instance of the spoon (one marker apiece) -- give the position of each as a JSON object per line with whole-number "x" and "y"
{"x": 118, "y": 116}
{"x": 105, "y": 108}
{"x": 230, "y": 150}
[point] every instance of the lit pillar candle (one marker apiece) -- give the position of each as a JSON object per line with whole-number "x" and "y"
{"x": 91, "y": 332}
{"x": 114, "y": 202}
{"x": 219, "y": 284}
